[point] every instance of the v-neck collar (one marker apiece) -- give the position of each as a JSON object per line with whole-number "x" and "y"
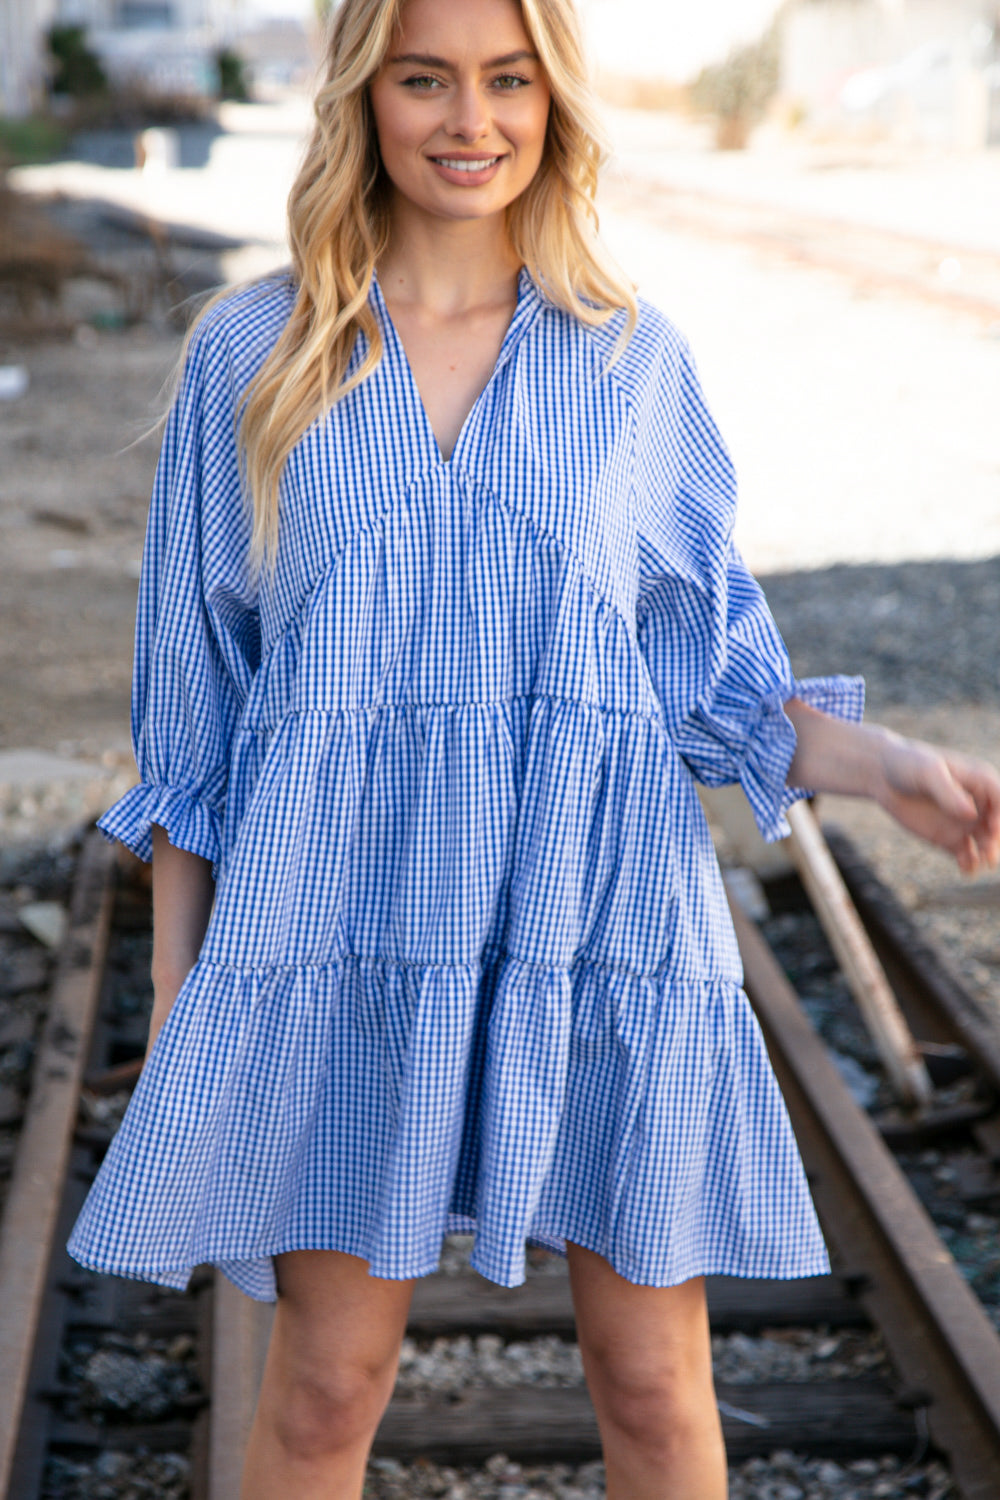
{"x": 528, "y": 305}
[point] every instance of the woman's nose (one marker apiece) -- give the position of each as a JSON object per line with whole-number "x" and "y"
{"x": 469, "y": 117}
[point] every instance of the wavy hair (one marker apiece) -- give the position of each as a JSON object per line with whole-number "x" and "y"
{"x": 338, "y": 213}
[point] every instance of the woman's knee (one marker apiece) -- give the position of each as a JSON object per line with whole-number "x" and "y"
{"x": 654, "y": 1410}
{"x": 650, "y": 1394}
{"x": 331, "y": 1411}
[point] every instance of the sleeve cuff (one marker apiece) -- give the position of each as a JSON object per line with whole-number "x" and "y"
{"x": 190, "y": 823}
{"x": 765, "y": 771}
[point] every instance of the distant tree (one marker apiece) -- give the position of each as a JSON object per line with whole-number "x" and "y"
{"x": 233, "y": 81}
{"x": 739, "y": 90}
{"x": 77, "y": 70}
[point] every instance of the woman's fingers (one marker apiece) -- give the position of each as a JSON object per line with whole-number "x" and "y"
{"x": 950, "y": 800}
{"x": 982, "y": 785}
{"x": 950, "y": 794}
{"x": 968, "y": 856}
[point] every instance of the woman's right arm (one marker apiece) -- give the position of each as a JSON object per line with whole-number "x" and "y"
{"x": 197, "y": 650}
{"x": 183, "y": 891}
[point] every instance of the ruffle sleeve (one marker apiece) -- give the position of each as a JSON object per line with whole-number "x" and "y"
{"x": 197, "y": 641}
{"x": 717, "y": 661}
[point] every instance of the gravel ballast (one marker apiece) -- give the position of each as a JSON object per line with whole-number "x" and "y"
{"x": 783, "y": 1476}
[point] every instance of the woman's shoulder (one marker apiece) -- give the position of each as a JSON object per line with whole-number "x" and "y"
{"x": 653, "y": 351}
{"x": 238, "y": 329}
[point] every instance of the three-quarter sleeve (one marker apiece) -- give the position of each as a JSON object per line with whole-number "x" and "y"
{"x": 197, "y": 639}
{"x": 717, "y": 661}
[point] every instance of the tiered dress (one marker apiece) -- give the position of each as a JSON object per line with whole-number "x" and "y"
{"x": 470, "y": 965}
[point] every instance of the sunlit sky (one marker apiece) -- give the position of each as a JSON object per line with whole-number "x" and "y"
{"x": 671, "y": 38}
{"x": 668, "y": 39}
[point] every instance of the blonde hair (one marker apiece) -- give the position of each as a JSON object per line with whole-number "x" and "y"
{"x": 338, "y": 215}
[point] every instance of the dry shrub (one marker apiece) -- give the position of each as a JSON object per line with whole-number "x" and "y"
{"x": 37, "y": 259}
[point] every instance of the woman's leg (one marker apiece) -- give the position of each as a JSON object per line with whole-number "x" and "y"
{"x": 329, "y": 1374}
{"x": 648, "y": 1360}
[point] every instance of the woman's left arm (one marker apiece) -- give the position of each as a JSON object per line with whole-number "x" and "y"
{"x": 948, "y": 799}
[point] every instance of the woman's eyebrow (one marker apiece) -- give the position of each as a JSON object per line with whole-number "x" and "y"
{"x": 427, "y": 60}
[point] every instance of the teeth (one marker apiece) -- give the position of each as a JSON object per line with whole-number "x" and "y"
{"x": 467, "y": 166}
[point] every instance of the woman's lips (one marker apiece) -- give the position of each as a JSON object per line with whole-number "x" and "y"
{"x": 467, "y": 171}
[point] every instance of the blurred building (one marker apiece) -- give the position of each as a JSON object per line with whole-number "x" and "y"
{"x": 21, "y": 54}
{"x": 166, "y": 45}
{"x": 924, "y": 72}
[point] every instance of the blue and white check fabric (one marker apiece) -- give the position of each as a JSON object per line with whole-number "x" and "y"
{"x": 470, "y": 964}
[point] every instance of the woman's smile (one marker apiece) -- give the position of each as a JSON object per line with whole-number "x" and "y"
{"x": 467, "y": 171}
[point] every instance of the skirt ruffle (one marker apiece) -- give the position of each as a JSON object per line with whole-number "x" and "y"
{"x": 371, "y": 1107}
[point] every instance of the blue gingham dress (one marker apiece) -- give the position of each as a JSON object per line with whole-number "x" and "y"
{"x": 470, "y": 965}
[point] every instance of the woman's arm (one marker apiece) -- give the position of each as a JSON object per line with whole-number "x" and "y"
{"x": 183, "y": 890}
{"x": 949, "y": 799}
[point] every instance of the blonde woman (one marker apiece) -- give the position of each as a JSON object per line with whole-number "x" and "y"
{"x": 440, "y": 621}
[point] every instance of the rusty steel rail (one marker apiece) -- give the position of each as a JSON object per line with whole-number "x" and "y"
{"x": 937, "y": 1333}
{"x": 241, "y": 1330}
{"x": 31, "y": 1214}
{"x": 866, "y": 978}
{"x": 938, "y": 1006}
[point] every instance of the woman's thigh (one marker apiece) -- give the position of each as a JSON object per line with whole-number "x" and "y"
{"x": 638, "y": 1338}
{"x": 334, "y": 1319}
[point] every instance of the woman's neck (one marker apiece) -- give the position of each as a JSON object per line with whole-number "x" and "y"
{"x": 447, "y": 267}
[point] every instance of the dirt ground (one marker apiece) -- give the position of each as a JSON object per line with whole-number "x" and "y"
{"x": 74, "y": 491}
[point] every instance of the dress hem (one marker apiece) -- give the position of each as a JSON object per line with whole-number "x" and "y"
{"x": 178, "y": 1278}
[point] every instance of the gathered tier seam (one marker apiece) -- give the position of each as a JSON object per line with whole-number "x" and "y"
{"x": 488, "y": 955}
{"x": 337, "y": 711}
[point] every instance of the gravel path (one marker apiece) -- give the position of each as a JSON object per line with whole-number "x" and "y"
{"x": 781, "y": 1477}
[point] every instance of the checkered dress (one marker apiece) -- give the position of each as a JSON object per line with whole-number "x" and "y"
{"x": 470, "y": 964}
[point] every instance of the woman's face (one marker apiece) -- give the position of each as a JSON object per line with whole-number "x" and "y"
{"x": 461, "y": 107}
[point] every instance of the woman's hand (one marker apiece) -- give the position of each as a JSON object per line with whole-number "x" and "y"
{"x": 948, "y": 799}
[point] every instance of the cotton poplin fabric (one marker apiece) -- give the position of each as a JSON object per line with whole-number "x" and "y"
{"x": 470, "y": 965}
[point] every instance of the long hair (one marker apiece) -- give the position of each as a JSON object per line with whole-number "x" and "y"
{"x": 338, "y": 213}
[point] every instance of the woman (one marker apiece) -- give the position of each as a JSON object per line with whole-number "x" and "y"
{"x": 434, "y": 724}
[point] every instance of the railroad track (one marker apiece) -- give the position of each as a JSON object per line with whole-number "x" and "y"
{"x": 171, "y": 1379}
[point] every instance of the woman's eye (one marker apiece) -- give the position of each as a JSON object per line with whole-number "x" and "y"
{"x": 426, "y": 83}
